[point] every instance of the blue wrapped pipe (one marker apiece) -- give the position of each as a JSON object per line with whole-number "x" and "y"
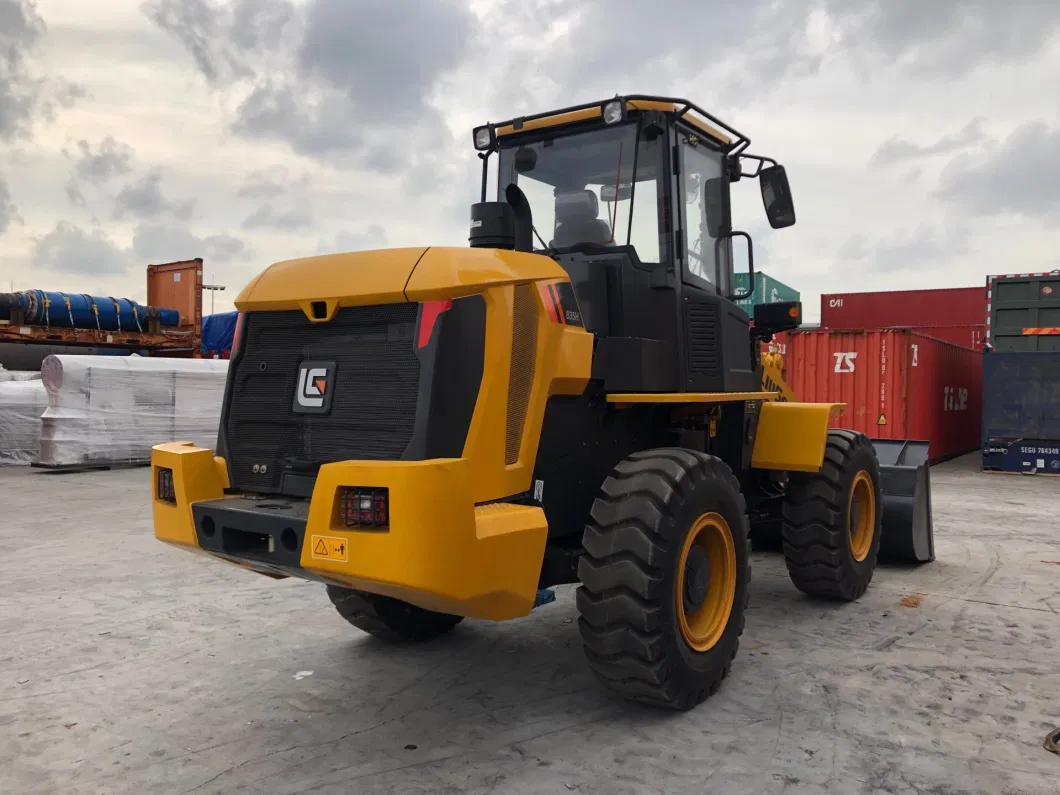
{"x": 66, "y": 310}
{"x": 219, "y": 331}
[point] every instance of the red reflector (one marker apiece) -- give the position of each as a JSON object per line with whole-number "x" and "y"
{"x": 432, "y": 310}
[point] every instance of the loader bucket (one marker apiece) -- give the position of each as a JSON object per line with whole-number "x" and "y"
{"x": 905, "y": 479}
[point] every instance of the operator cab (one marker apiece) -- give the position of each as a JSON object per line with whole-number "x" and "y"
{"x": 631, "y": 197}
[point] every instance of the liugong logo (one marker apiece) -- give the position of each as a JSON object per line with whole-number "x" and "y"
{"x": 316, "y": 382}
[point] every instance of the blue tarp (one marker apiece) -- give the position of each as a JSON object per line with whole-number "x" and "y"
{"x": 218, "y": 331}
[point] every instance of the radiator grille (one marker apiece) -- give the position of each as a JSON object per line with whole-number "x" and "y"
{"x": 373, "y": 409}
{"x": 701, "y": 323}
{"x": 521, "y": 375}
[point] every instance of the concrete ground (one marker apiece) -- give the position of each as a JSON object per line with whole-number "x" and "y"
{"x": 130, "y": 667}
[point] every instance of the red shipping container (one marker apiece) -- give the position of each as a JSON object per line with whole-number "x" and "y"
{"x": 958, "y": 306}
{"x": 897, "y": 384}
{"x": 779, "y": 344}
{"x": 967, "y": 336}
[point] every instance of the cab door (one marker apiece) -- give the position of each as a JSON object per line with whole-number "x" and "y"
{"x": 717, "y": 348}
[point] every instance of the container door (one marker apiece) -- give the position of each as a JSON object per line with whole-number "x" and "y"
{"x": 177, "y": 285}
{"x": 864, "y": 369}
{"x": 1025, "y": 313}
{"x": 945, "y": 396}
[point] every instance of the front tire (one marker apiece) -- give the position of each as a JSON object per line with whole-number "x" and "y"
{"x": 833, "y": 520}
{"x": 664, "y": 575}
{"x": 388, "y": 618}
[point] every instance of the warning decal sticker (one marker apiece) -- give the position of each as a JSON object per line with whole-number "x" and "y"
{"x": 882, "y": 420}
{"x": 329, "y": 548}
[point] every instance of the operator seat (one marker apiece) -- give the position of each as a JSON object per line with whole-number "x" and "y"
{"x": 578, "y": 221}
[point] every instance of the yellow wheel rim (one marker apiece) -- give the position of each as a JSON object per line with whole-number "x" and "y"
{"x": 704, "y": 607}
{"x": 861, "y": 510}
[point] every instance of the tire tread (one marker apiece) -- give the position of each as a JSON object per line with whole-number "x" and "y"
{"x": 390, "y": 619}
{"x": 622, "y": 600}
{"x": 816, "y": 550}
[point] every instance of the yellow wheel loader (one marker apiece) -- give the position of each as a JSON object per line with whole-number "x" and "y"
{"x": 441, "y": 433}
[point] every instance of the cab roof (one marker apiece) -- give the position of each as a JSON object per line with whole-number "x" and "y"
{"x": 682, "y": 109}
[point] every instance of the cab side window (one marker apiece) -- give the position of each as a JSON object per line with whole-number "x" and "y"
{"x": 702, "y": 178}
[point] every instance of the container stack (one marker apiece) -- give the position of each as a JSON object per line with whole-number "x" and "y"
{"x": 957, "y": 315}
{"x": 907, "y": 363}
{"x": 1021, "y": 375}
{"x": 767, "y": 290}
{"x": 896, "y": 383}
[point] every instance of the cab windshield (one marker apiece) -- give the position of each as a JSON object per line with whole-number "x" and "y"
{"x": 583, "y": 190}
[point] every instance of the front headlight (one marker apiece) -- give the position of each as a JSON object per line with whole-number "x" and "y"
{"x": 614, "y": 111}
{"x": 484, "y": 137}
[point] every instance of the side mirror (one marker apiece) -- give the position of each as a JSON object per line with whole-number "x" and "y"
{"x": 733, "y": 294}
{"x": 615, "y": 193}
{"x": 776, "y": 196}
{"x": 714, "y": 206}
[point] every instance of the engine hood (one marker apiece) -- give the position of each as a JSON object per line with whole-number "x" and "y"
{"x": 387, "y": 276}
{"x": 356, "y": 278}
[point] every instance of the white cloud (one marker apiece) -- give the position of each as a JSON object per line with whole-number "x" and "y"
{"x": 70, "y": 249}
{"x": 8, "y": 211}
{"x": 918, "y": 145}
{"x": 168, "y": 242}
{"x": 144, "y": 199}
{"x": 373, "y": 237}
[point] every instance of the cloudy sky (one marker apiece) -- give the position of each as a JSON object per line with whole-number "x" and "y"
{"x": 922, "y": 137}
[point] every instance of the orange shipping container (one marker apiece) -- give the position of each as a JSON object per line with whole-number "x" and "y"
{"x": 897, "y": 385}
{"x": 178, "y": 285}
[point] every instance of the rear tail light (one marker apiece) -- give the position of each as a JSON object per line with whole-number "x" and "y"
{"x": 164, "y": 485}
{"x": 361, "y": 507}
{"x": 432, "y": 310}
{"x": 237, "y": 335}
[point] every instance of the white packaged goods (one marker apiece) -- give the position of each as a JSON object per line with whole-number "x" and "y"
{"x": 18, "y": 375}
{"x": 105, "y": 410}
{"x": 21, "y": 406}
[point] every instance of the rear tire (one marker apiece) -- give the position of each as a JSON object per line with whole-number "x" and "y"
{"x": 388, "y": 618}
{"x": 832, "y": 520}
{"x": 664, "y": 575}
